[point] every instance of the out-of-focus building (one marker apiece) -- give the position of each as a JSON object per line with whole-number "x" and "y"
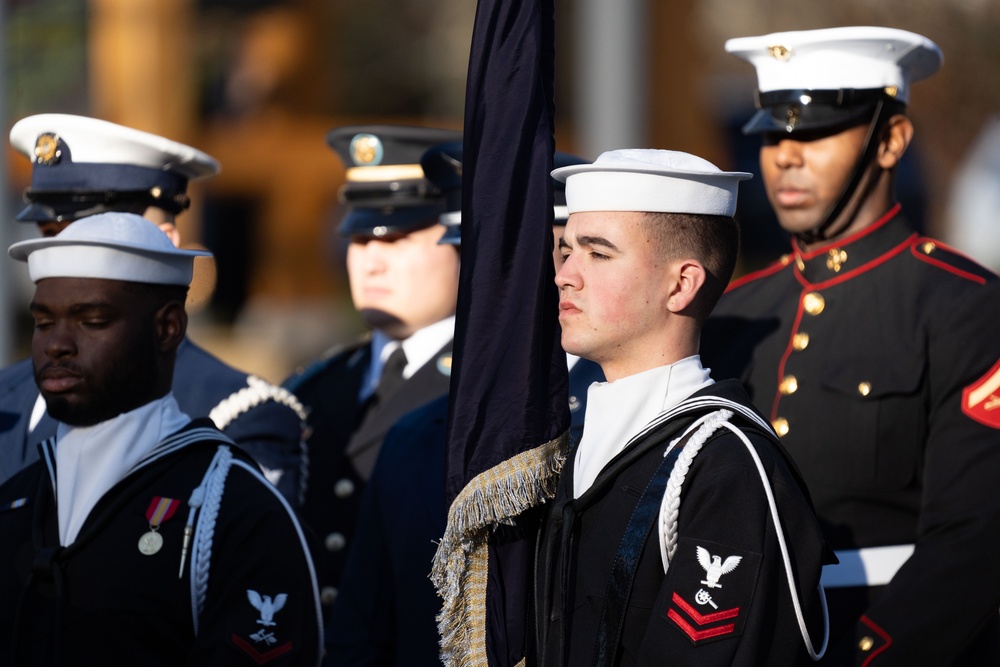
{"x": 258, "y": 83}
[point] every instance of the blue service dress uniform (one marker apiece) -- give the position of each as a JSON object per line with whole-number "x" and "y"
{"x": 242, "y": 593}
{"x": 876, "y": 358}
{"x": 385, "y": 611}
{"x": 679, "y": 618}
{"x": 340, "y": 462}
{"x": 262, "y": 419}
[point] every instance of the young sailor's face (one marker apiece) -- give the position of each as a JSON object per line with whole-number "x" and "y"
{"x": 94, "y": 348}
{"x": 612, "y": 289}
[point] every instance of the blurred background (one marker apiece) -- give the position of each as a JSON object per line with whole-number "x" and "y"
{"x": 258, "y": 83}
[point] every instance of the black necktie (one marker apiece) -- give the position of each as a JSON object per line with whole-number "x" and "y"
{"x": 392, "y": 374}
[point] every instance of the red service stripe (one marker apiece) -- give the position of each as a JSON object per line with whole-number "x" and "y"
{"x": 161, "y": 509}
{"x": 698, "y": 635}
{"x": 707, "y": 618}
{"x": 257, "y": 656}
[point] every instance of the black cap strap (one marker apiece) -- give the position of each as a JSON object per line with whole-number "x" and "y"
{"x": 867, "y": 155}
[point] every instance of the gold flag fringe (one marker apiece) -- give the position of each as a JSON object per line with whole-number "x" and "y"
{"x": 460, "y": 565}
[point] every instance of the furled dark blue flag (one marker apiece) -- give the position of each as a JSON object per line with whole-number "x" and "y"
{"x": 508, "y": 414}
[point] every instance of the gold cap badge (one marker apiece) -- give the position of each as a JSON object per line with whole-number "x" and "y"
{"x": 780, "y": 52}
{"x": 366, "y": 149}
{"x": 47, "y": 149}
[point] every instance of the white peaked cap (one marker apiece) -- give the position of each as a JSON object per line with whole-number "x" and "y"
{"x": 859, "y": 58}
{"x": 96, "y": 141}
{"x": 112, "y": 246}
{"x": 651, "y": 180}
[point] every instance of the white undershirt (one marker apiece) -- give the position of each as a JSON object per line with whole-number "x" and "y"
{"x": 419, "y": 348}
{"x": 92, "y": 459}
{"x": 617, "y": 411}
{"x": 36, "y": 413}
{"x": 571, "y": 360}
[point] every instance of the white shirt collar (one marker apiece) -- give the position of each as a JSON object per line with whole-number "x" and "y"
{"x": 420, "y": 347}
{"x": 618, "y": 411}
{"x": 571, "y": 360}
{"x": 90, "y": 460}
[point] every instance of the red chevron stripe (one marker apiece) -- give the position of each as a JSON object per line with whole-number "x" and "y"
{"x": 697, "y": 635}
{"x": 257, "y": 656}
{"x": 707, "y": 618}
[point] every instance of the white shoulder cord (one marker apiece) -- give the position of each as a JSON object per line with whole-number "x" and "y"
{"x": 671, "y": 506}
{"x": 208, "y": 497}
{"x": 257, "y": 392}
{"x": 670, "y": 510}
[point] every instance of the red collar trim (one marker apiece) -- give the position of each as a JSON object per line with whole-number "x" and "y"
{"x": 843, "y": 243}
{"x": 881, "y": 259}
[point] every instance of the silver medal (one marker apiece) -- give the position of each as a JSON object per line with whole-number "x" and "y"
{"x": 150, "y": 543}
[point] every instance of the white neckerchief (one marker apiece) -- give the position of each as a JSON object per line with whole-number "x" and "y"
{"x": 92, "y": 459}
{"x": 419, "y": 348}
{"x": 617, "y": 411}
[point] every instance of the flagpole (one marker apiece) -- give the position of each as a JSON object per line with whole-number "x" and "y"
{"x": 610, "y": 75}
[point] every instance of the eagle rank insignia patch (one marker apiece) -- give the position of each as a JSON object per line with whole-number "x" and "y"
{"x": 713, "y": 587}
{"x": 265, "y": 643}
{"x": 981, "y": 399}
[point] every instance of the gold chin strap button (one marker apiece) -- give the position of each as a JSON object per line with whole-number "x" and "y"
{"x": 865, "y": 388}
{"x": 789, "y": 385}
{"x": 800, "y": 341}
{"x": 780, "y": 426}
{"x": 814, "y": 303}
{"x": 866, "y": 644}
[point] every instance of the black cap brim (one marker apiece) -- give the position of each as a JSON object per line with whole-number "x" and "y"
{"x": 383, "y": 221}
{"x": 797, "y": 111}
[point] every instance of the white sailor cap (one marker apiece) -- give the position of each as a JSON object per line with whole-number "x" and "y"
{"x": 82, "y": 166}
{"x": 112, "y": 246}
{"x": 651, "y": 180}
{"x": 817, "y": 79}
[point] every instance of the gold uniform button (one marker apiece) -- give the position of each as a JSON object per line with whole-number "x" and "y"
{"x": 785, "y": 259}
{"x": 928, "y": 247}
{"x": 789, "y": 385}
{"x": 814, "y": 303}
{"x": 780, "y": 426}
{"x": 328, "y": 595}
{"x": 866, "y": 644}
{"x": 865, "y": 388}
{"x": 800, "y": 341}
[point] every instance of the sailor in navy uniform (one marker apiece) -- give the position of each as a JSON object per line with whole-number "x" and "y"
{"x": 386, "y": 608}
{"x": 142, "y": 537}
{"x": 873, "y": 352}
{"x": 82, "y": 166}
{"x": 680, "y": 533}
{"x": 405, "y": 286}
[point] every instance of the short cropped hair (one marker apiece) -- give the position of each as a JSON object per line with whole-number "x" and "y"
{"x": 158, "y": 296}
{"x": 713, "y": 240}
